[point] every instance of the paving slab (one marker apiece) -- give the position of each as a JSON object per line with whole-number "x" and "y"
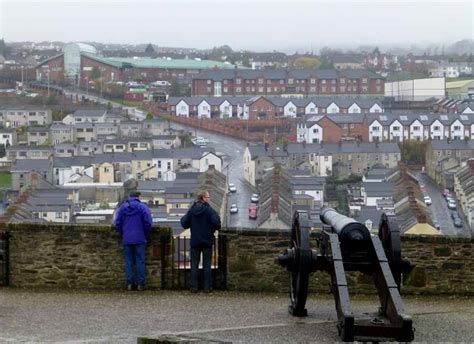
{"x": 123, "y": 317}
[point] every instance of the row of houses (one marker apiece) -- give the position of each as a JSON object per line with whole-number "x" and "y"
{"x": 269, "y": 107}
{"x": 89, "y": 148}
{"x": 88, "y": 203}
{"x": 451, "y": 105}
{"x": 385, "y": 127}
{"x": 319, "y": 159}
{"x": 464, "y": 188}
{"x": 86, "y": 126}
{"x": 15, "y": 116}
{"x": 304, "y": 82}
{"x": 112, "y": 168}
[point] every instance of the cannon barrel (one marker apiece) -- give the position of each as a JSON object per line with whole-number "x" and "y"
{"x": 346, "y": 228}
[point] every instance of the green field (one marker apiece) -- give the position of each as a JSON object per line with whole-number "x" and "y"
{"x": 5, "y": 180}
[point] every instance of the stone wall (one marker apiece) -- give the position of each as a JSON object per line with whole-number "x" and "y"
{"x": 88, "y": 257}
{"x": 443, "y": 264}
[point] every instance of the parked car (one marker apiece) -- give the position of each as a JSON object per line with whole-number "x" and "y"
{"x": 253, "y": 211}
{"x": 436, "y": 225}
{"x": 232, "y": 187}
{"x": 254, "y": 198}
{"x": 452, "y": 204}
{"x": 457, "y": 222}
{"x": 234, "y": 209}
{"x": 427, "y": 200}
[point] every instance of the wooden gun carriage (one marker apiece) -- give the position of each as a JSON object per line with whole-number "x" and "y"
{"x": 347, "y": 245}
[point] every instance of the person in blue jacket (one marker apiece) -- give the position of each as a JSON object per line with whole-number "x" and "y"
{"x": 203, "y": 221}
{"x": 134, "y": 222}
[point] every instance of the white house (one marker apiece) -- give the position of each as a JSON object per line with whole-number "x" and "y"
{"x": 206, "y": 160}
{"x": 354, "y": 108}
{"x": 311, "y": 108}
{"x": 289, "y": 110}
{"x": 182, "y": 109}
{"x": 332, "y": 108}
{"x": 416, "y": 130}
{"x": 225, "y": 109}
{"x": 437, "y": 130}
{"x": 375, "y": 131}
{"x": 457, "y": 130}
{"x": 396, "y": 131}
{"x": 204, "y": 109}
{"x": 163, "y": 165}
{"x": 376, "y": 109}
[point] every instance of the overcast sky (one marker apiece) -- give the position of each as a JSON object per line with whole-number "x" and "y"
{"x": 244, "y": 24}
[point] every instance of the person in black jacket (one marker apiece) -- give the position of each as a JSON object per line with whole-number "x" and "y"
{"x": 203, "y": 221}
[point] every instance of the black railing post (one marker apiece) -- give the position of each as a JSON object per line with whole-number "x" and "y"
{"x": 163, "y": 243}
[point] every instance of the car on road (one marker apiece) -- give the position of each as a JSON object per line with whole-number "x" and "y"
{"x": 254, "y": 198}
{"x": 234, "y": 209}
{"x": 427, "y": 200}
{"x": 457, "y": 222}
{"x": 452, "y": 204}
{"x": 253, "y": 211}
{"x": 436, "y": 225}
{"x": 232, "y": 187}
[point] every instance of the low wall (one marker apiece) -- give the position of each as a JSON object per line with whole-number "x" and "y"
{"x": 91, "y": 257}
{"x": 78, "y": 257}
{"x": 443, "y": 265}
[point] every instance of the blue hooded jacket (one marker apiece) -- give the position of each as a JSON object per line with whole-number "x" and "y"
{"x": 203, "y": 221}
{"x": 133, "y": 222}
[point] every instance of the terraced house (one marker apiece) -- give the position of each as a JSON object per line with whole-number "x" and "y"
{"x": 420, "y": 127}
{"x": 243, "y": 82}
{"x": 269, "y": 106}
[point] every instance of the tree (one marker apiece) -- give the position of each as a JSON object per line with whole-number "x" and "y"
{"x": 95, "y": 73}
{"x": 149, "y": 49}
{"x": 149, "y": 115}
{"x": 175, "y": 89}
{"x": 304, "y": 62}
{"x": 246, "y": 59}
{"x": 2, "y": 150}
{"x": 109, "y": 106}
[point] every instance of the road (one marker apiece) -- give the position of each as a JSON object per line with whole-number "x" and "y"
{"x": 439, "y": 209}
{"x": 232, "y": 163}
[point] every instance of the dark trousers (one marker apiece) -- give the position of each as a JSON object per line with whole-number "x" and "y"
{"x": 206, "y": 264}
{"x": 135, "y": 255}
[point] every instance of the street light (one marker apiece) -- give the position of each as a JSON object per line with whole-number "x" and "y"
{"x": 227, "y": 191}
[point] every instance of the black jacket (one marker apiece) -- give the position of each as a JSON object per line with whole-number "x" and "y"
{"x": 203, "y": 221}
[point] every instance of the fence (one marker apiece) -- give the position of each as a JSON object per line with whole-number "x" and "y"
{"x": 181, "y": 264}
{"x": 4, "y": 259}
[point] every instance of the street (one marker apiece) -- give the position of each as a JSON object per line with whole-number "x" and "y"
{"x": 439, "y": 209}
{"x": 232, "y": 150}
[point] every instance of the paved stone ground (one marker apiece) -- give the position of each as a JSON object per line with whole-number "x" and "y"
{"x": 115, "y": 317}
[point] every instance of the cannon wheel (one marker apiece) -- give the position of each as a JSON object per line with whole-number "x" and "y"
{"x": 389, "y": 234}
{"x": 299, "y": 275}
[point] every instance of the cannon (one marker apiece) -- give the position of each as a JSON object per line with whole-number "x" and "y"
{"x": 347, "y": 245}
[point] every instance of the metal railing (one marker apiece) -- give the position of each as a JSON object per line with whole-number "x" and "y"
{"x": 181, "y": 264}
{"x": 4, "y": 259}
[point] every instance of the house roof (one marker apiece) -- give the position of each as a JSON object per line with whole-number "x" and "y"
{"x": 89, "y": 113}
{"x": 369, "y": 213}
{"x": 453, "y": 144}
{"x": 422, "y": 229}
{"x": 121, "y": 62}
{"x": 28, "y": 165}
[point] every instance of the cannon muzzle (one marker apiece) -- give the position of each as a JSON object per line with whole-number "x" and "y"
{"x": 346, "y": 228}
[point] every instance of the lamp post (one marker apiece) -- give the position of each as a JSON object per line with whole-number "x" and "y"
{"x": 227, "y": 192}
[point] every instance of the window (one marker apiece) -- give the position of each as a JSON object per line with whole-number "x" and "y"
{"x": 260, "y": 81}
{"x": 58, "y": 215}
{"x": 326, "y": 158}
{"x": 238, "y": 81}
{"x": 315, "y": 131}
{"x": 269, "y": 89}
{"x": 290, "y": 81}
{"x": 416, "y": 128}
{"x": 238, "y": 89}
{"x": 312, "y": 81}
{"x": 312, "y": 89}
{"x": 168, "y": 165}
{"x": 209, "y": 82}
{"x": 457, "y": 127}
{"x": 376, "y": 129}
{"x": 159, "y": 163}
